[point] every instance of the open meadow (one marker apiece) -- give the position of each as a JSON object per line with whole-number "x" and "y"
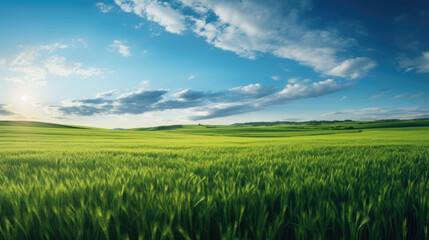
{"x": 345, "y": 180}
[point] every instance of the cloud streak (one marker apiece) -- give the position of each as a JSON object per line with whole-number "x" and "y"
{"x": 201, "y": 105}
{"x": 378, "y": 113}
{"x": 419, "y": 64}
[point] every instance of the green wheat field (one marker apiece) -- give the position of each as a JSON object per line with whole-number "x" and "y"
{"x": 315, "y": 180}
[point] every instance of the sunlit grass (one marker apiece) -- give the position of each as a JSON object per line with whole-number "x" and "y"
{"x": 199, "y": 183}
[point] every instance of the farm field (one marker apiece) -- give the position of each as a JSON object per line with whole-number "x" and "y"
{"x": 343, "y": 180}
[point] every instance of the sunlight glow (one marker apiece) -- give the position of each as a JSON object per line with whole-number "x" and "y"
{"x": 24, "y": 98}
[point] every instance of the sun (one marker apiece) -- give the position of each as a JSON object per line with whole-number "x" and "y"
{"x": 24, "y": 98}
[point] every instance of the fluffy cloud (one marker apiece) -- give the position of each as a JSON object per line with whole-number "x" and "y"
{"x": 420, "y": 64}
{"x": 203, "y": 105}
{"x": 120, "y": 48}
{"x": 104, "y": 8}
{"x": 377, "y": 113}
{"x": 251, "y": 27}
{"x": 31, "y": 65}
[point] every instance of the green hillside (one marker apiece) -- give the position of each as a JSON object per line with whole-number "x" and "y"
{"x": 287, "y": 181}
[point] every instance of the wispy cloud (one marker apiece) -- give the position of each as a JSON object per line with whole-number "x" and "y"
{"x": 353, "y": 68}
{"x": 104, "y": 8}
{"x": 60, "y": 66}
{"x": 400, "y": 96}
{"x": 191, "y": 77}
{"x": 162, "y": 13}
{"x": 417, "y": 95}
{"x": 249, "y": 28}
{"x": 419, "y": 64}
{"x": 30, "y": 66}
{"x": 286, "y": 95}
{"x": 55, "y": 46}
{"x": 121, "y": 48}
{"x": 203, "y": 105}
{"x": 377, "y": 113}
{"x": 381, "y": 93}
{"x": 137, "y": 26}
{"x": 275, "y": 78}
{"x": 28, "y": 74}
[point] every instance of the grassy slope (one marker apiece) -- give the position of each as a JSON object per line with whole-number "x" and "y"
{"x": 199, "y": 182}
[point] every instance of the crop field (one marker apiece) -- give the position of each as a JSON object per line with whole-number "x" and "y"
{"x": 346, "y": 180}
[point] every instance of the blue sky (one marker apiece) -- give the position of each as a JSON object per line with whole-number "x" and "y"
{"x": 134, "y": 63}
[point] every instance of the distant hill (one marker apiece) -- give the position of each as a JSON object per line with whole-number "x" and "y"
{"x": 358, "y": 124}
{"x": 36, "y": 124}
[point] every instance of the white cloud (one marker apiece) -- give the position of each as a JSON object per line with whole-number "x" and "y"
{"x": 89, "y": 72}
{"x": 121, "y": 48}
{"x": 104, "y": 8}
{"x": 420, "y": 64}
{"x": 315, "y": 89}
{"x": 253, "y": 89}
{"x": 58, "y": 65}
{"x": 3, "y": 61}
{"x": 191, "y": 77}
{"x": 27, "y": 74}
{"x": 55, "y": 46}
{"x": 353, "y": 68}
{"x": 172, "y": 20}
{"x": 248, "y": 28}
{"x": 26, "y": 57}
{"x": 160, "y": 12}
{"x": 32, "y": 67}
{"x": 106, "y": 94}
{"x": 275, "y": 78}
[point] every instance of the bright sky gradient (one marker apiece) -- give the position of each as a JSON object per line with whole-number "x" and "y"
{"x": 136, "y": 63}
